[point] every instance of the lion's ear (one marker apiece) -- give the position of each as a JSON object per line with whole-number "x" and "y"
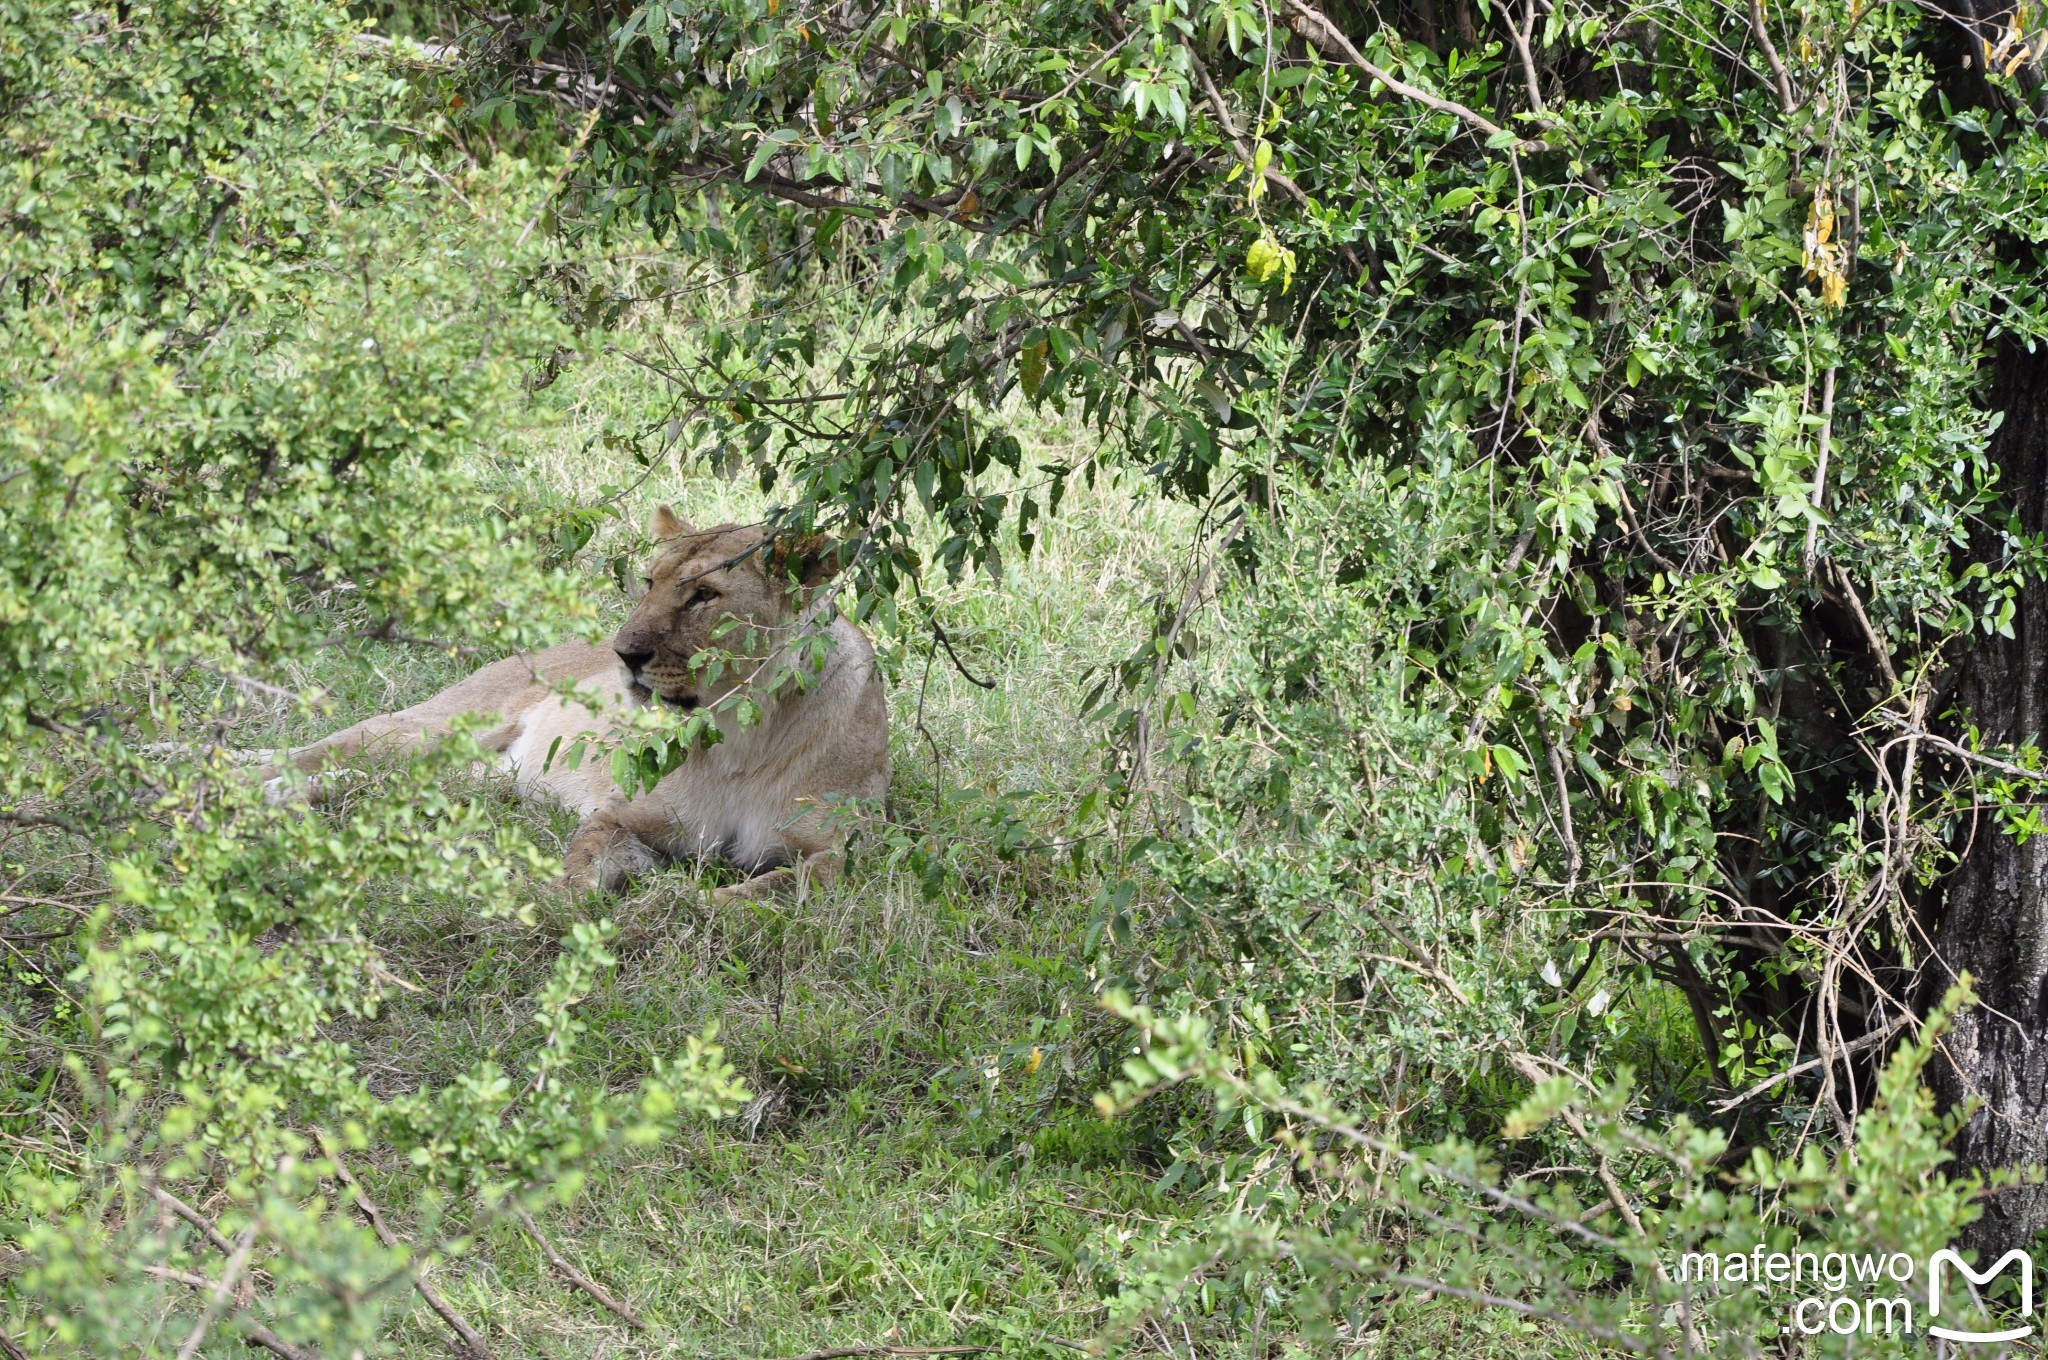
{"x": 809, "y": 560}
{"x": 667, "y": 524}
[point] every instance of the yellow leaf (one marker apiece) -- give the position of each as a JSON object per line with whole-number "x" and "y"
{"x": 1266, "y": 258}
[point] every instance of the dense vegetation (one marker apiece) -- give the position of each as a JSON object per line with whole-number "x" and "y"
{"x": 1462, "y": 590}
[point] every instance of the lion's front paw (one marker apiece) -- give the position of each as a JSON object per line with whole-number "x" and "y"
{"x": 730, "y": 893}
{"x": 606, "y": 863}
{"x": 576, "y": 882}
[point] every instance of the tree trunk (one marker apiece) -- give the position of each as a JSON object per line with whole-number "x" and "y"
{"x": 1994, "y": 908}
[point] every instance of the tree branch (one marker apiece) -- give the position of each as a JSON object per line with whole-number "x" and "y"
{"x": 575, "y": 1276}
{"x": 49, "y": 820}
{"x": 1523, "y": 34}
{"x": 1573, "y": 860}
{"x": 1820, "y": 471}
{"x": 192, "y": 1216}
{"x": 1279, "y": 179}
{"x": 223, "y": 1289}
{"x": 1870, "y": 1040}
{"x": 1878, "y": 651}
{"x": 1316, "y": 29}
{"x": 251, "y": 1328}
{"x": 1761, "y": 28}
{"x": 471, "y": 1346}
{"x": 902, "y": 1352}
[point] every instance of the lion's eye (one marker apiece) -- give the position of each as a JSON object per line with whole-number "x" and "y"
{"x": 703, "y": 595}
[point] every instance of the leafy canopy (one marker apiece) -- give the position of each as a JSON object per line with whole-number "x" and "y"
{"x": 1666, "y": 324}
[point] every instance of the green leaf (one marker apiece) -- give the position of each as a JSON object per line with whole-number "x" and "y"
{"x": 1031, "y": 367}
{"x": 767, "y": 147}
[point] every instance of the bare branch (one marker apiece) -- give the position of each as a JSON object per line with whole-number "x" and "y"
{"x": 1820, "y": 471}
{"x": 1279, "y": 179}
{"x": 223, "y": 1289}
{"x": 1573, "y": 859}
{"x": 575, "y": 1276}
{"x": 1870, "y": 1040}
{"x": 251, "y": 1328}
{"x": 194, "y": 1217}
{"x": 1759, "y": 26}
{"x": 469, "y": 1345}
{"x": 1523, "y": 34}
{"x": 1315, "y": 28}
{"x": 49, "y": 820}
{"x": 903, "y": 1352}
{"x": 1881, "y": 653}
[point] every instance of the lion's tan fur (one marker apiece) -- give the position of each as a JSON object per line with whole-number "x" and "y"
{"x": 764, "y": 798}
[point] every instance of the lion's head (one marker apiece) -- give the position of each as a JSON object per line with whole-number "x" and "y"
{"x": 725, "y": 599}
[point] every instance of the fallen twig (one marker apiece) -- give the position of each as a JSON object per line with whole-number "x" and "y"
{"x": 472, "y": 1346}
{"x": 844, "y": 1352}
{"x": 575, "y": 1276}
{"x": 253, "y": 1330}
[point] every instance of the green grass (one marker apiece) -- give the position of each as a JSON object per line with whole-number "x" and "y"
{"x": 922, "y": 1165}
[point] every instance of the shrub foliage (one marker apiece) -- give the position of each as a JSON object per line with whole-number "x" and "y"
{"x": 1613, "y": 428}
{"x": 1617, "y": 427}
{"x": 251, "y": 333}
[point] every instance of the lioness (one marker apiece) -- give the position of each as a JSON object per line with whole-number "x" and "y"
{"x": 762, "y": 798}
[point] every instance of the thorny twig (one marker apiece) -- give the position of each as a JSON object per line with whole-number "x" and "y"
{"x": 575, "y": 1276}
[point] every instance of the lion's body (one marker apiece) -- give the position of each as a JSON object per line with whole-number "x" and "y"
{"x": 763, "y": 799}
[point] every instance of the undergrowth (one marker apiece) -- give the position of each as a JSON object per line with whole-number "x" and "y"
{"x": 922, "y": 1163}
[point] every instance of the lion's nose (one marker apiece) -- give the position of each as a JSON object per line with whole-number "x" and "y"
{"x": 633, "y": 661}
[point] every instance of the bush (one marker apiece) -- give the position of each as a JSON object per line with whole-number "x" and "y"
{"x": 250, "y": 329}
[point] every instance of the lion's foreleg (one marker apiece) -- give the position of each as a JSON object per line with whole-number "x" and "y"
{"x": 605, "y": 855}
